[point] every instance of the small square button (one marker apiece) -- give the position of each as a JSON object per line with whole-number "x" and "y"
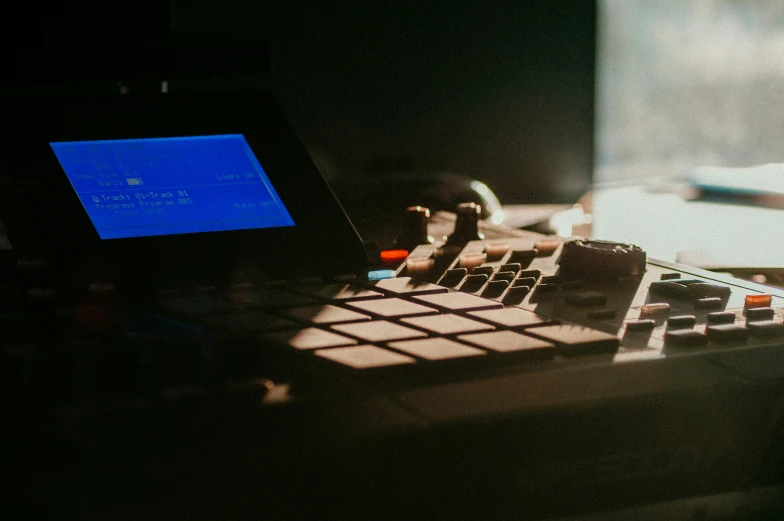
{"x": 448, "y": 324}
{"x": 586, "y": 298}
{"x": 339, "y": 292}
{"x": 392, "y": 307}
{"x": 436, "y": 349}
{"x": 509, "y": 341}
{"x": 364, "y": 357}
{"x": 406, "y": 286}
{"x": 379, "y": 331}
{"x": 512, "y": 317}
{"x": 572, "y": 339}
{"x": 459, "y": 301}
{"x": 309, "y": 338}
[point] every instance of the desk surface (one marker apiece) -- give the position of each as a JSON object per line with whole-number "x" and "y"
{"x": 694, "y": 232}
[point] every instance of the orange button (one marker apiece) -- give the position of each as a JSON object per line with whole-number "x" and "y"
{"x": 393, "y": 255}
{"x": 758, "y": 301}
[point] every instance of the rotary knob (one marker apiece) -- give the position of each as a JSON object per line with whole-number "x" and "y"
{"x": 415, "y": 228}
{"x": 599, "y": 259}
{"x": 466, "y": 225}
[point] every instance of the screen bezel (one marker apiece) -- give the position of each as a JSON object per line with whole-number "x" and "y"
{"x": 322, "y": 241}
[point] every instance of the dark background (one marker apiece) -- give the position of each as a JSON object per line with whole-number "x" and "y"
{"x": 500, "y": 92}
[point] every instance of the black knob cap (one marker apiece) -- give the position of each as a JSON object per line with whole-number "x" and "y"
{"x": 599, "y": 259}
{"x": 415, "y": 228}
{"x": 466, "y": 226}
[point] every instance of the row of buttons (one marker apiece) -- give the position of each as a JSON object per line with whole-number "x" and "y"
{"x": 509, "y": 281}
{"x": 491, "y": 333}
{"x": 539, "y": 342}
{"x": 421, "y": 262}
{"x": 410, "y": 320}
{"x": 703, "y": 295}
{"x": 724, "y": 333}
{"x": 660, "y": 308}
{"x": 689, "y": 289}
{"x": 757, "y": 305}
{"x": 718, "y": 317}
{"x": 720, "y": 327}
{"x": 495, "y": 251}
{"x": 492, "y": 281}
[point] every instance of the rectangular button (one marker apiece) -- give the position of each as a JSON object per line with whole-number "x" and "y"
{"x": 379, "y": 331}
{"x": 534, "y": 274}
{"x": 453, "y": 278}
{"x": 474, "y": 283}
{"x": 544, "y": 289}
{"x": 448, "y": 324}
{"x": 602, "y": 314}
{"x": 686, "y": 338}
{"x": 483, "y": 270}
{"x": 727, "y": 333}
{"x": 504, "y": 275}
{"x": 513, "y": 267}
{"x": 364, "y": 357}
{"x": 392, "y": 307}
{"x": 513, "y": 317}
{"x": 525, "y": 281}
{"x": 681, "y": 322}
{"x": 546, "y": 247}
{"x": 496, "y": 249}
{"x": 459, "y": 301}
{"x": 766, "y": 328}
{"x": 655, "y": 308}
{"x": 571, "y": 339}
{"x": 670, "y": 289}
{"x": 515, "y": 295}
{"x": 641, "y": 325}
{"x": 586, "y": 298}
{"x": 721, "y": 317}
{"x": 706, "y": 289}
{"x": 522, "y": 257}
{"x": 756, "y": 314}
{"x": 709, "y": 303}
{"x": 436, "y": 349}
{"x": 762, "y": 300}
{"x": 495, "y": 288}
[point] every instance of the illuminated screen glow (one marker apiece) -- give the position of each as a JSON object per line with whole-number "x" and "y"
{"x": 173, "y": 185}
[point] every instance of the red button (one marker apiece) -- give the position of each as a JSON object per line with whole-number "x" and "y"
{"x": 394, "y": 255}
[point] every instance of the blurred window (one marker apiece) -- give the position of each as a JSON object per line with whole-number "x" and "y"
{"x": 683, "y": 83}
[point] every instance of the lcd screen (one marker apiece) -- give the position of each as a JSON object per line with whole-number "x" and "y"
{"x": 172, "y": 185}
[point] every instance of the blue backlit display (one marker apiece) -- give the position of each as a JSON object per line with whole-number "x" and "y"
{"x": 173, "y": 185}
